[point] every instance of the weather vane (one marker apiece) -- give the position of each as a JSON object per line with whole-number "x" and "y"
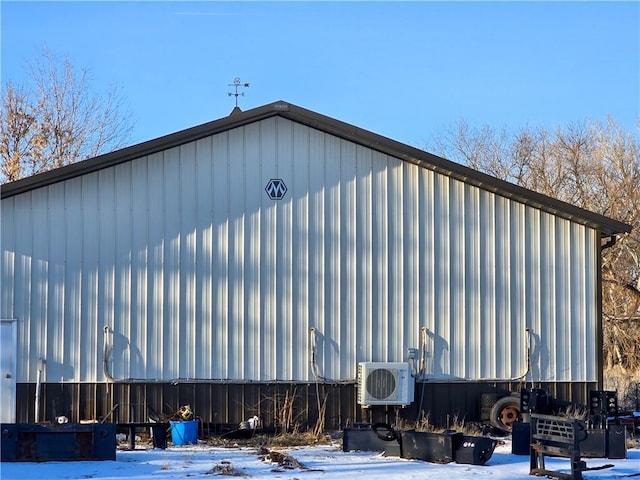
{"x": 238, "y": 84}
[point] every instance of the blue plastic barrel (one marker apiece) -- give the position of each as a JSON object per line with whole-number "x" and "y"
{"x": 184, "y": 432}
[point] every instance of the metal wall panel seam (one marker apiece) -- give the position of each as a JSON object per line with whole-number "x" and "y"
{"x": 188, "y": 260}
{"x": 237, "y": 327}
{"x": 269, "y": 251}
{"x": 518, "y": 286}
{"x": 426, "y": 213}
{"x": 318, "y": 318}
{"x": 470, "y": 236}
{"x": 300, "y": 189}
{"x": 172, "y": 280}
{"x": 204, "y": 248}
{"x": 220, "y": 182}
{"x": 156, "y": 292}
{"x": 106, "y": 242}
{"x": 73, "y": 275}
{"x": 396, "y": 314}
{"x": 348, "y": 232}
{"x": 299, "y": 353}
{"x": 140, "y": 271}
{"x": 255, "y": 322}
{"x": 411, "y": 241}
{"x": 122, "y": 300}
{"x": 442, "y": 262}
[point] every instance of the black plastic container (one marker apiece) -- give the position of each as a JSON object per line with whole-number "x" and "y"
{"x": 371, "y": 438}
{"x": 474, "y": 450}
{"x": 616, "y": 442}
{"x": 430, "y": 447}
{"x": 520, "y": 438}
{"x": 27, "y": 442}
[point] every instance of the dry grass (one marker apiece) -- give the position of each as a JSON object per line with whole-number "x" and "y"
{"x": 576, "y": 412}
{"x": 225, "y": 467}
{"x": 455, "y": 423}
{"x": 294, "y": 439}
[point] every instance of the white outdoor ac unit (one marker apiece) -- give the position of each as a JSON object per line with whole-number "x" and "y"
{"x": 385, "y": 383}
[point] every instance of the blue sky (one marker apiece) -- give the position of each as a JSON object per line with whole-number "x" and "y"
{"x": 404, "y": 70}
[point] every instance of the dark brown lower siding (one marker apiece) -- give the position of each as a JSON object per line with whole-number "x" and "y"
{"x": 225, "y": 404}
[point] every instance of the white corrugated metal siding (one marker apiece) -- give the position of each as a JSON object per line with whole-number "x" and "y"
{"x": 201, "y": 275}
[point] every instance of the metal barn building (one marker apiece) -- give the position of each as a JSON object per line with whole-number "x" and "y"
{"x": 272, "y": 251}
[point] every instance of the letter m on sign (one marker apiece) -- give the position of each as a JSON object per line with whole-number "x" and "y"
{"x": 275, "y": 189}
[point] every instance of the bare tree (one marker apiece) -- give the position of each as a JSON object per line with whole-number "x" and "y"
{"x": 594, "y": 165}
{"x": 57, "y": 120}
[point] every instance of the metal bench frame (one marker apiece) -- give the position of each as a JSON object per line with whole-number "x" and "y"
{"x": 556, "y": 437}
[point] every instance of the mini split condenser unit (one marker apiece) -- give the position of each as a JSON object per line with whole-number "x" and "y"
{"x": 385, "y": 383}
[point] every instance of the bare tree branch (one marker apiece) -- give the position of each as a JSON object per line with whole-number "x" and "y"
{"x": 57, "y": 120}
{"x": 593, "y": 165}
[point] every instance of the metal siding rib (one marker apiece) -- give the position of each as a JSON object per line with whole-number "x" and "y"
{"x": 487, "y": 283}
{"x": 255, "y": 322}
{"x": 396, "y": 315}
{"x": 442, "y": 277}
{"x": 548, "y": 334}
{"x": 294, "y": 352}
{"x": 348, "y": 232}
{"x": 500, "y": 274}
{"x": 122, "y": 300}
{"x": 364, "y": 252}
{"x": 518, "y": 288}
{"x": 55, "y": 306}
{"x": 91, "y": 333}
{"x": 380, "y": 257}
{"x": 300, "y": 191}
{"x": 427, "y": 263}
{"x": 578, "y": 362}
{"x": 106, "y": 249}
{"x": 11, "y": 303}
{"x": 171, "y": 326}
{"x": 337, "y": 329}
{"x": 140, "y": 262}
{"x": 458, "y": 328}
{"x": 533, "y": 282}
{"x": 18, "y": 260}
{"x": 155, "y": 358}
{"x": 592, "y": 273}
{"x": 285, "y": 331}
{"x": 204, "y": 349}
{"x": 470, "y": 235}
{"x": 267, "y": 251}
{"x": 74, "y": 228}
{"x": 562, "y": 314}
{"x": 220, "y": 182}
{"x": 39, "y": 300}
{"x": 188, "y": 258}
{"x": 411, "y": 246}
{"x": 237, "y": 202}
{"x": 317, "y": 305}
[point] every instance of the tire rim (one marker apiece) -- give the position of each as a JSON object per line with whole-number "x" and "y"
{"x": 508, "y": 416}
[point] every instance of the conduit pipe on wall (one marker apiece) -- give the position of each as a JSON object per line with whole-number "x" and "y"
{"x": 41, "y": 363}
{"x": 527, "y": 368}
{"x": 107, "y": 351}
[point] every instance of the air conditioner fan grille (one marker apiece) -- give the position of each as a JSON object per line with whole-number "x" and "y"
{"x": 381, "y": 383}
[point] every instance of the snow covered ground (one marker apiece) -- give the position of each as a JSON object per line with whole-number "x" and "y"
{"x": 318, "y": 462}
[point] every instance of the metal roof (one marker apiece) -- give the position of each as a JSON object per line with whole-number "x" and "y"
{"x": 606, "y": 225}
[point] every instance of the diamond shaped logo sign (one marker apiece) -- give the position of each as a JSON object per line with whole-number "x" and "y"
{"x": 276, "y": 189}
